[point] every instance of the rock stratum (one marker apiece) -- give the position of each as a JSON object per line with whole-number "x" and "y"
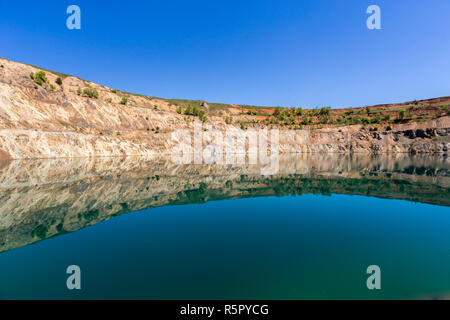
{"x": 56, "y": 119}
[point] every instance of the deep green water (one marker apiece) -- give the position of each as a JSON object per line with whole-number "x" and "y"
{"x": 141, "y": 230}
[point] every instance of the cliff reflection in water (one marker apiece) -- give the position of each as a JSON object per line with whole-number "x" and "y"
{"x": 44, "y": 198}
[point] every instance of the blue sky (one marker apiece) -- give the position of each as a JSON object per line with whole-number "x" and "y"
{"x": 288, "y": 53}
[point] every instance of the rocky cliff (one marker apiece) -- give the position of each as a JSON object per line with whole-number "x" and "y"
{"x": 64, "y": 116}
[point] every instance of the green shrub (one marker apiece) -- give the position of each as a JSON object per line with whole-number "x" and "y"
{"x": 124, "y": 101}
{"x": 52, "y": 87}
{"x": 90, "y": 92}
{"x": 203, "y": 118}
{"x": 243, "y": 125}
{"x": 59, "y": 81}
{"x": 277, "y": 111}
{"x": 350, "y": 112}
{"x": 324, "y": 111}
{"x": 445, "y": 110}
{"x": 188, "y": 110}
{"x": 305, "y": 119}
{"x": 179, "y": 110}
{"x": 193, "y": 111}
{"x": 365, "y": 120}
{"x": 376, "y": 119}
{"x": 228, "y": 120}
{"x": 39, "y": 77}
{"x": 323, "y": 118}
{"x": 113, "y": 90}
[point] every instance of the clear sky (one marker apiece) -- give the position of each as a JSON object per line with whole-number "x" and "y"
{"x": 288, "y": 53}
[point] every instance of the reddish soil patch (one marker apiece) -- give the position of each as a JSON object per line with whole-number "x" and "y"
{"x": 4, "y": 155}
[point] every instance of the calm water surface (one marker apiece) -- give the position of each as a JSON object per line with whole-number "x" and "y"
{"x": 143, "y": 229}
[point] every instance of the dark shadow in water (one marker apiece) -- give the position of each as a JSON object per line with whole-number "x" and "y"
{"x": 40, "y": 199}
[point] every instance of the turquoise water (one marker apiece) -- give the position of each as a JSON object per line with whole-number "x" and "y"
{"x": 239, "y": 241}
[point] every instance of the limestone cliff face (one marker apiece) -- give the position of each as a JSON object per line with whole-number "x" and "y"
{"x": 425, "y": 137}
{"x": 52, "y": 121}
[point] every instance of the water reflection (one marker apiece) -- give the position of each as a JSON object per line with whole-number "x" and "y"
{"x": 44, "y": 198}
